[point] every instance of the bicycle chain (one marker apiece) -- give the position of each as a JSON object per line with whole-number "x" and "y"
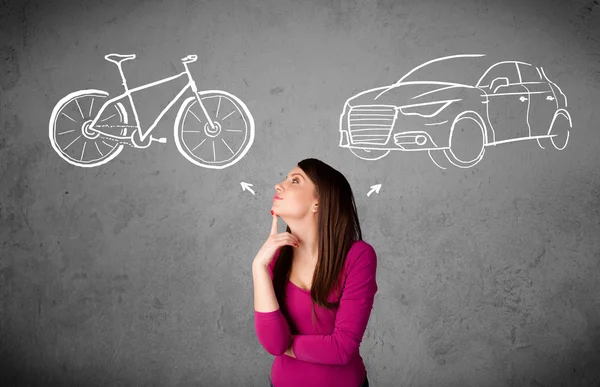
{"x": 115, "y": 139}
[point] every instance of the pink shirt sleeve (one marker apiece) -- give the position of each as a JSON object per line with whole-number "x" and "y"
{"x": 272, "y": 329}
{"x": 351, "y": 319}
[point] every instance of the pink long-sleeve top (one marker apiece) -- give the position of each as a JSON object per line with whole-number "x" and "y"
{"x": 328, "y": 354}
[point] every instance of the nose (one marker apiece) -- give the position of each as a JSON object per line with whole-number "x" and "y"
{"x": 278, "y": 187}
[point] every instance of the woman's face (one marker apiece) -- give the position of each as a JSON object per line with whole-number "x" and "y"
{"x": 295, "y": 196}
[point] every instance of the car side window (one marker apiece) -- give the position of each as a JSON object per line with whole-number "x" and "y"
{"x": 499, "y": 74}
{"x": 529, "y": 73}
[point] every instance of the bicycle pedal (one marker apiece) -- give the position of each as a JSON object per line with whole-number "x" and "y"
{"x": 162, "y": 140}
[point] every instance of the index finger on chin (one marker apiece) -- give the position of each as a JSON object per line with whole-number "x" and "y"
{"x": 274, "y": 224}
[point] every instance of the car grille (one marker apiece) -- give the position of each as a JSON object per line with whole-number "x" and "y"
{"x": 371, "y": 125}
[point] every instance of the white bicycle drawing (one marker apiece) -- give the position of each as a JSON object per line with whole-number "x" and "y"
{"x": 213, "y": 128}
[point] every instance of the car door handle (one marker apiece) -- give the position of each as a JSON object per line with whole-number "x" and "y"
{"x": 522, "y": 99}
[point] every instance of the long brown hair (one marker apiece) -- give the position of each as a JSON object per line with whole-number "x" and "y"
{"x": 338, "y": 227}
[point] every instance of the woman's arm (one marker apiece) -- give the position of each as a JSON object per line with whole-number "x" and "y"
{"x": 271, "y": 327}
{"x": 262, "y": 268}
{"x": 264, "y": 294}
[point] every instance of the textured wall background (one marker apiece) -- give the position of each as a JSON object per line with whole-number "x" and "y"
{"x": 137, "y": 272}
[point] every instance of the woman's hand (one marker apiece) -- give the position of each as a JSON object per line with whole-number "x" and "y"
{"x": 289, "y": 351}
{"x": 273, "y": 242}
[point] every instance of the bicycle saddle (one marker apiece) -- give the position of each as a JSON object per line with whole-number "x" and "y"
{"x": 117, "y": 58}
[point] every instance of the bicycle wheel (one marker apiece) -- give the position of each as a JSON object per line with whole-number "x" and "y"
{"x": 69, "y": 129}
{"x": 217, "y": 147}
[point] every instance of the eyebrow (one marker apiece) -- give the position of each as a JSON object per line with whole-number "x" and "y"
{"x": 295, "y": 173}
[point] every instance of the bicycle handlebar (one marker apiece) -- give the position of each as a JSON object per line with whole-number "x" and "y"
{"x": 190, "y": 58}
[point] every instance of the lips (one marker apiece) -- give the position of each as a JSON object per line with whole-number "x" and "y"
{"x": 277, "y": 198}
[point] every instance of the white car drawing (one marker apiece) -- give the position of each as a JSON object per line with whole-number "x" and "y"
{"x": 455, "y": 117}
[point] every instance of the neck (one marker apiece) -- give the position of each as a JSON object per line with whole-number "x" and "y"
{"x": 306, "y": 231}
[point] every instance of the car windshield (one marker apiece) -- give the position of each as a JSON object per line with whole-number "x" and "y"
{"x": 461, "y": 69}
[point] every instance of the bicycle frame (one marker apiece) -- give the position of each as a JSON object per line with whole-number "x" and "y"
{"x": 96, "y": 127}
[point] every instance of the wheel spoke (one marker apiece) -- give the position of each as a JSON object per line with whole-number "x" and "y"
{"x": 218, "y": 106}
{"x": 199, "y": 120}
{"x": 108, "y": 118}
{"x": 72, "y": 143}
{"x": 91, "y": 105}
{"x": 64, "y": 114}
{"x": 224, "y": 118}
{"x": 198, "y": 145}
{"x": 233, "y": 130}
{"x": 227, "y": 146}
{"x": 83, "y": 151}
{"x": 108, "y": 145}
{"x": 214, "y": 153}
{"x": 68, "y": 131}
{"x": 99, "y": 151}
{"x": 79, "y": 107}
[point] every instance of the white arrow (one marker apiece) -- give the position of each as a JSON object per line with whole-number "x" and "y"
{"x": 375, "y": 188}
{"x": 246, "y": 186}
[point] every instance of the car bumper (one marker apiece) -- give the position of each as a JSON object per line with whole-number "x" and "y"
{"x": 371, "y": 127}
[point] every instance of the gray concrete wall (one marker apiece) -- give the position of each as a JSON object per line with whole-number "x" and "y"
{"x": 137, "y": 271}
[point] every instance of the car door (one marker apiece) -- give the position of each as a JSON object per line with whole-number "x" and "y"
{"x": 507, "y": 102}
{"x": 542, "y": 101}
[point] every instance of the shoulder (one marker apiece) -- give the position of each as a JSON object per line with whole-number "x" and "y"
{"x": 360, "y": 268}
{"x": 361, "y": 252}
{"x": 360, "y": 247}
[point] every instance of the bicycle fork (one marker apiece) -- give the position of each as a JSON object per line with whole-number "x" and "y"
{"x": 185, "y": 61}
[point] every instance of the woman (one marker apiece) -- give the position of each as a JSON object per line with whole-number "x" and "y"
{"x": 320, "y": 259}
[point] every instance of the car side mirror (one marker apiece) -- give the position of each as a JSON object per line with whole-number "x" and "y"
{"x": 498, "y": 82}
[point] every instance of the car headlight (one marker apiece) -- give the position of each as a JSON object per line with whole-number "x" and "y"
{"x": 427, "y": 110}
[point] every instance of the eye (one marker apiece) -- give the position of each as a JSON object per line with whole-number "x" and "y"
{"x": 294, "y": 180}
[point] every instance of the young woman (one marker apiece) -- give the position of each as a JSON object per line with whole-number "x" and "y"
{"x": 321, "y": 259}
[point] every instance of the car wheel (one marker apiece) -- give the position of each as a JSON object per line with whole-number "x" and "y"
{"x": 467, "y": 140}
{"x": 559, "y": 130}
{"x": 369, "y": 154}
